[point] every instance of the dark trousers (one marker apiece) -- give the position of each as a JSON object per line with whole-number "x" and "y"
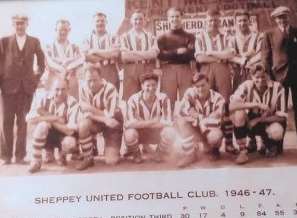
{"x": 176, "y": 77}
{"x": 219, "y": 75}
{"x": 132, "y": 72}
{"x": 15, "y": 106}
{"x": 294, "y": 99}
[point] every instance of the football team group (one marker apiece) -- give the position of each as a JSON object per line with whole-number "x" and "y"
{"x": 163, "y": 99}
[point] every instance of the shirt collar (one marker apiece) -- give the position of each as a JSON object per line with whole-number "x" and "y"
{"x": 21, "y": 37}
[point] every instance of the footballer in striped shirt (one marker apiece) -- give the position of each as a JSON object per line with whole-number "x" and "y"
{"x": 54, "y": 117}
{"x": 149, "y": 121}
{"x": 265, "y": 114}
{"x": 99, "y": 114}
{"x": 200, "y": 118}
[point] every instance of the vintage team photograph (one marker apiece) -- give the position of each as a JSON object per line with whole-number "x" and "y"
{"x": 147, "y": 85}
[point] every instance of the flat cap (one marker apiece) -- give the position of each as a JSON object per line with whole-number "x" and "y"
{"x": 19, "y": 18}
{"x": 281, "y": 10}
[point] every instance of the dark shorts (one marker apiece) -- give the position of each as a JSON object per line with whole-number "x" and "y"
{"x": 54, "y": 139}
{"x": 260, "y": 128}
{"x": 132, "y": 72}
{"x": 149, "y": 136}
{"x": 112, "y": 136}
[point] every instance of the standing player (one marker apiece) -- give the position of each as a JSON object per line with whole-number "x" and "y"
{"x": 54, "y": 117}
{"x": 149, "y": 113}
{"x": 246, "y": 47}
{"x": 100, "y": 113}
{"x": 18, "y": 83}
{"x": 63, "y": 59}
{"x": 266, "y": 114}
{"x": 138, "y": 52}
{"x": 212, "y": 55}
{"x": 102, "y": 50}
{"x": 176, "y": 52}
{"x": 201, "y": 113}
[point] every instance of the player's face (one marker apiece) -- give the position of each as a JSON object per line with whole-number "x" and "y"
{"x": 137, "y": 21}
{"x": 202, "y": 88}
{"x": 60, "y": 89}
{"x": 174, "y": 19}
{"x": 62, "y": 31}
{"x": 260, "y": 80}
{"x": 93, "y": 80}
{"x": 149, "y": 87}
{"x": 213, "y": 23}
{"x": 242, "y": 23}
{"x": 20, "y": 27}
{"x": 100, "y": 24}
{"x": 282, "y": 21}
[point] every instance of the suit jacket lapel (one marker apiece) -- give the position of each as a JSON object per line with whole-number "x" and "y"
{"x": 27, "y": 45}
{"x": 13, "y": 44}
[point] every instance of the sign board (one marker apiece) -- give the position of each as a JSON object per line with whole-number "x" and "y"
{"x": 197, "y": 24}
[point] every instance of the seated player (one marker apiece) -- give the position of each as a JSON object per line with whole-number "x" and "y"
{"x": 100, "y": 114}
{"x": 54, "y": 117}
{"x": 265, "y": 115}
{"x": 148, "y": 121}
{"x": 201, "y": 113}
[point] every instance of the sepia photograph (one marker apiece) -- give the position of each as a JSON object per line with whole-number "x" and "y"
{"x": 147, "y": 85}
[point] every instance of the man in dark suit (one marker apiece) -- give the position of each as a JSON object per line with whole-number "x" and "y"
{"x": 279, "y": 54}
{"x": 18, "y": 82}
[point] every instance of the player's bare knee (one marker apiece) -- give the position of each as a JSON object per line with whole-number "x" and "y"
{"x": 275, "y": 131}
{"x": 41, "y": 130}
{"x": 84, "y": 127}
{"x": 239, "y": 118}
{"x": 214, "y": 137}
{"x": 168, "y": 135}
{"x": 131, "y": 136}
{"x": 69, "y": 144}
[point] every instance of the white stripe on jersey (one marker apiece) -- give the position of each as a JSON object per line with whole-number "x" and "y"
{"x": 63, "y": 52}
{"x": 102, "y": 42}
{"x": 243, "y": 44}
{"x": 215, "y": 103}
{"x": 273, "y": 97}
{"x": 205, "y": 43}
{"x": 139, "y": 110}
{"x": 128, "y": 41}
{"x": 106, "y": 99}
{"x": 65, "y": 109}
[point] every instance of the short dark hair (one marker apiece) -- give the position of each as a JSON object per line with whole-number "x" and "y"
{"x": 148, "y": 76}
{"x": 175, "y": 9}
{"x": 213, "y": 12}
{"x": 61, "y": 79}
{"x": 198, "y": 77}
{"x": 89, "y": 67}
{"x": 63, "y": 21}
{"x": 99, "y": 14}
{"x": 258, "y": 67}
{"x": 138, "y": 11}
{"x": 242, "y": 13}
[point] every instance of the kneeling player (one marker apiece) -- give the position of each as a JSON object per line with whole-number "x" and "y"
{"x": 149, "y": 120}
{"x": 201, "y": 113}
{"x": 265, "y": 115}
{"x": 100, "y": 114}
{"x": 54, "y": 117}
